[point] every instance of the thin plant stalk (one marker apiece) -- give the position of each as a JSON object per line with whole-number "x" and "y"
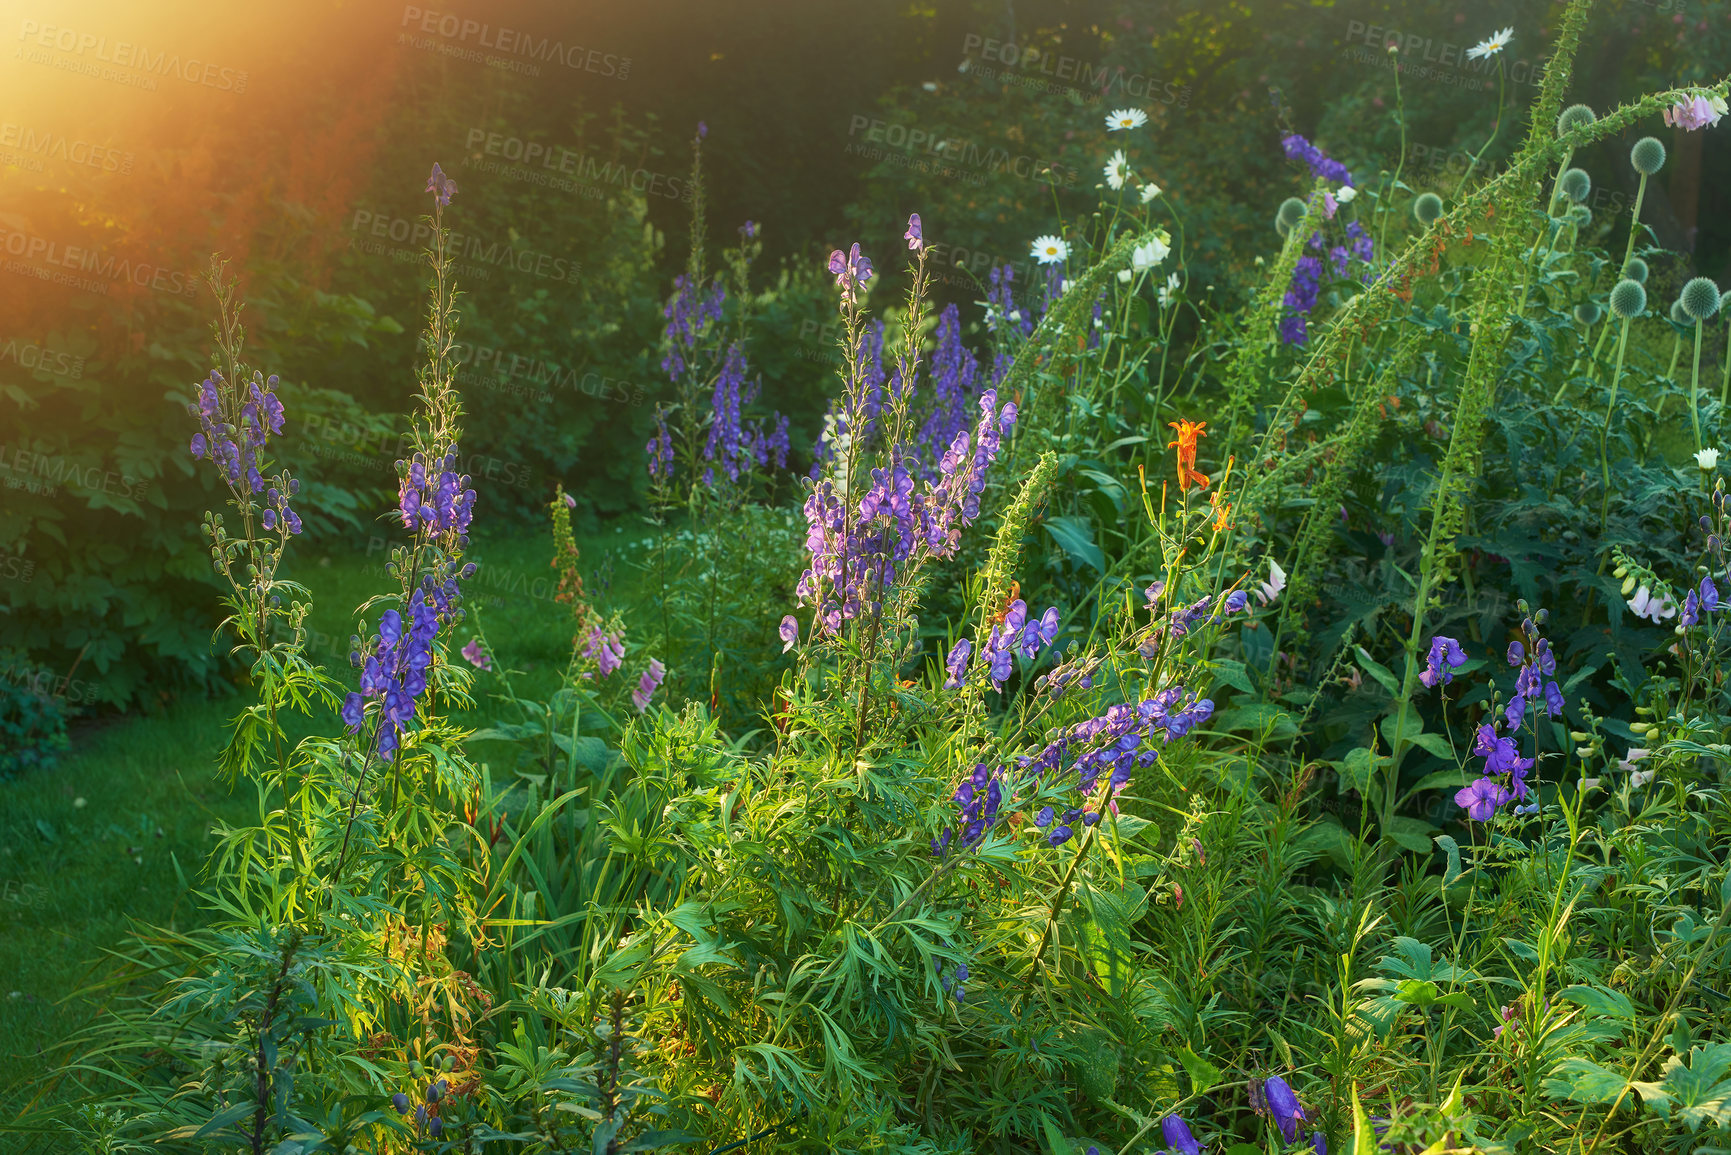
{"x": 1605, "y": 434}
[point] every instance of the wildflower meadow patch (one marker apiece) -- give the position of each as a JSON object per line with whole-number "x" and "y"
{"x": 1161, "y": 701}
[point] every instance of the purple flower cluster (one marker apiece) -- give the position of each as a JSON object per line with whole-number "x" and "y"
{"x": 1705, "y": 599}
{"x": 647, "y": 684}
{"x": 396, "y": 673}
{"x": 1002, "y": 315}
{"x": 954, "y": 371}
{"x": 1016, "y": 632}
{"x": 953, "y": 981}
{"x": 1113, "y": 742}
{"x": 1446, "y": 656}
{"x": 1535, "y": 680}
{"x": 1301, "y": 294}
{"x": 1502, "y": 761}
{"x": 1320, "y": 165}
{"x": 659, "y": 450}
{"x": 689, "y": 313}
{"x": 894, "y": 524}
{"x": 978, "y": 800}
{"x": 606, "y": 650}
{"x": 433, "y": 497}
{"x": 852, "y": 270}
{"x": 237, "y": 445}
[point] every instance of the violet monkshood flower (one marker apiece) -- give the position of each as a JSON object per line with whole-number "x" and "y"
{"x": 1703, "y": 599}
{"x": 789, "y": 633}
{"x": 1320, "y": 165}
{"x": 957, "y": 663}
{"x": 1446, "y": 656}
{"x": 1535, "y": 680}
{"x": 977, "y": 800}
{"x": 852, "y": 270}
{"x": 441, "y": 186}
{"x": 395, "y": 674}
{"x": 915, "y": 239}
{"x": 1481, "y": 798}
{"x": 648, "y": 684}
{"x": 477, "y": 655}
{"x": 233, "y": 433}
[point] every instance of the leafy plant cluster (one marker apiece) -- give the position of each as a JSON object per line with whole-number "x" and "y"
{"x": 1343, "y": 771}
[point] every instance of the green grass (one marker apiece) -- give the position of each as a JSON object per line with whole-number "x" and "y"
{"x": 120, "y": 829}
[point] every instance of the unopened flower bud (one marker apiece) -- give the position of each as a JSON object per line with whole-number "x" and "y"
{"x": 1583, "y": 751}
{"x": 1579, "y": 736}
{"x": 1622, "y": 571}
{"x": 1628, "y": 585}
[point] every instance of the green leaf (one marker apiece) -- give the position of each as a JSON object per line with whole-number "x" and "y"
{"x": 1412, "y": 834}
{"x": 1377, "y": 670}
{"x": 650, "y": 1140}
{"x": 1452, "y": 849}
{"x": 1602, "y": 1001}
{"x": 1418, "y": 992}
{"x": 1697, "y": 1090}
{"x": 1076, "y": 537}
{"x": 1363, "y": 1134}
{"x": 1234, "y": 674}
{"x": 1583, "y": 1081}
{"x": 1203, "y": 1074}
{"x": 1359, "y": 767}
{"x": 1442, "y": 779}
{"x": 1054, "y": 1137}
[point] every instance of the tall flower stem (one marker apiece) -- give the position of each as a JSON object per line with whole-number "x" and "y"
{"x": 1695, "y": 390}
{"x": 1634, "y": 224}
{"x": 1605, "y": 437}
{"x": 1725, "y": 381}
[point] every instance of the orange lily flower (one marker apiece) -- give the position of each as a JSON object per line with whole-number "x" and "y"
{"x": 1188, "y": 432}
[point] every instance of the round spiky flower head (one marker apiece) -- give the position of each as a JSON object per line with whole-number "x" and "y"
{"x": 1573, "y": 117}
{"x": 1725, "y": 301}
{"x": 1678, "y": 316}
{"x": 1588, "y": 313}
{"x": 1575, "y": 184}
{"x": 1700, "y": 298}
{"x": 1647, "y": 155}
{"x": 1628, "y": 299}
{"x": 1580, "y": 216}
{"x": 1636, "y": 270}
{"x": 1427, "y": 208}
{"x": 1291, "y": 212}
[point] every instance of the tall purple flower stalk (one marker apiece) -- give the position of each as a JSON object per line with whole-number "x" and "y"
{"x": 1320, "y": 165}
{"x": 235, "y": 429}
{"x": 858, "y": 553}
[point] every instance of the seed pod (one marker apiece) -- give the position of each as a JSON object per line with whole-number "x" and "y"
{"x": 1427, "y": 208}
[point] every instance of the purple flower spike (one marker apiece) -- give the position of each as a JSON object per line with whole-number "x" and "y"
{"x": 914, "y": 238}
{"x": 1283, "y": 1104}
{"x": 1177, "y": 1134}
{"x": 648, "y": 684}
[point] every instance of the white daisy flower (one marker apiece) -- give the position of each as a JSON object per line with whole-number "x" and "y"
{"x": 1149, "y": 192}
{"x": 1049, "y": 250}
{"x": 1168, "y": 293}
{"x": 1707, "y": 458}
{"x": 1117, "y": 169}
{"x": 1491, "y": 45}
{"x": 1345, "y": 193}
{"x": 1123, "y": 118}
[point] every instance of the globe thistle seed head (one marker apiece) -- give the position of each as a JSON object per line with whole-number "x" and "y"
{"x": 1647, "y": 155}
{"x": 1580, "y": 216}
{"x": 1636, "y": 270}
{"x": 1291, "y": 212}
{"x": 1575, "y": 184}
{"x": 1678, "y": 316}
{"x": 1700, "y": 298}
{"x": 1426, "y": 208}
{"x": 1588, "y": 313}
{"x": 1573, "y": 117}
{"x": 1628, "y": 299}
{"x": 1725, "y": 301}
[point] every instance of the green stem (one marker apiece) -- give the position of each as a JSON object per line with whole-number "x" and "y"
{"x": 1605, "y": 436}
{"x": 1695, "y": 390}
{"x": 1634, "y": 225}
